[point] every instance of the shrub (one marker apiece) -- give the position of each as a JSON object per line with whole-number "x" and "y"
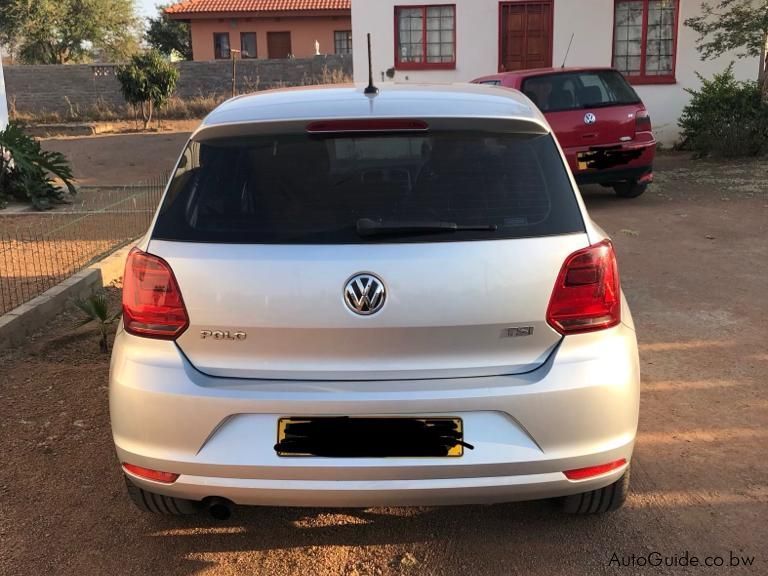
{"x": 96, "y": 309}
{"x": 725, "y": 118}
{"x": 147, "y": 82}
{"x": 26, "y": 170}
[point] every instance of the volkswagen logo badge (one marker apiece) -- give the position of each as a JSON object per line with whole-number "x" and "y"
{"x": 589, "y": 118}
{"x": 365, "y": 294}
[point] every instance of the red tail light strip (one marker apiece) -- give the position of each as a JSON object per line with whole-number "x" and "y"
{"x": 592, "y": 471}
{"x": 149, "y": 474}
{"x": 367, "y": 125}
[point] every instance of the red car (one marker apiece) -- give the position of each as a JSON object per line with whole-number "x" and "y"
{"x": 599, "y": 119}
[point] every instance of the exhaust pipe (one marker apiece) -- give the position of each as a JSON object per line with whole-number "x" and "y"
{"x": 219, "y": 508}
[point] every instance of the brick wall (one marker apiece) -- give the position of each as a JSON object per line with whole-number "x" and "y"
{"x": 61, "y": 89}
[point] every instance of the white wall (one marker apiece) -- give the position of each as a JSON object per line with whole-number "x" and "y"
{"x": 477, "y": 40}
{"x": 3, "y": 102}
{"x": 591, "y": 23}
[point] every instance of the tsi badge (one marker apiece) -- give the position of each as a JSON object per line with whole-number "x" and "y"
{"x": 222, "y": 335}
{"x": 519, "y": 331}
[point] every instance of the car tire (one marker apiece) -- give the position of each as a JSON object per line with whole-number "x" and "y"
{"x": 631, "y": 189}
{"x": 607, "y": 499}
{"x": 159, "y": 504}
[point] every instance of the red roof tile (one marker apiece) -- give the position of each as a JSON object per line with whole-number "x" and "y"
{"x": 221, "y": 6}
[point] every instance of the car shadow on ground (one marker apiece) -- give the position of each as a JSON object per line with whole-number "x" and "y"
{"x": 475, "y": 530}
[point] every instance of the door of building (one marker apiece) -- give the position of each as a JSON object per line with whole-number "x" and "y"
{"x": 525, "y": 35}
{"x": 279, "y": 44}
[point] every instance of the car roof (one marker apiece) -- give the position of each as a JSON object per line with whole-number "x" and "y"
{"x": 542, "y": 71}
{"x": 393, "y": 101}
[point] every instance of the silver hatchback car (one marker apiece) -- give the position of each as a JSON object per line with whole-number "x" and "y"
{"x": 350, "y": 299}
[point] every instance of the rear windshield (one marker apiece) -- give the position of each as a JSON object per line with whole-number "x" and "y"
{"x": 579, "y": 90}
{"x": 301, "y": 189}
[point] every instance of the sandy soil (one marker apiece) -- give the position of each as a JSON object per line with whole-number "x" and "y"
{"x": 694, "y": 262}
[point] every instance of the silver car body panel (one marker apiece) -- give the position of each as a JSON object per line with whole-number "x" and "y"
{"x": 579, "y": 409}
{"x": 532, "y": 406}
{"x": 289, "y": 301}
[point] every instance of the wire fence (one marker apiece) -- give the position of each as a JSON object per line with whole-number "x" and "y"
{"x": 40, "y": 249}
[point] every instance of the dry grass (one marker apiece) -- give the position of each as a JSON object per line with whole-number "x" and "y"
{"x": 190, "y": 109}
{"x": 101, "y": 111}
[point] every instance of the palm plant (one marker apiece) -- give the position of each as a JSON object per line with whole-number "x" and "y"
{"x": 96, "y": 308}
{"x": 26, "y": 170}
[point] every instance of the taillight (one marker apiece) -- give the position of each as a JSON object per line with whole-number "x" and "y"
{"x": 642, "y": 121}
{"x": 149, "y": 474}
{"x": 587, "y": 295}
{"x": 152, "y": 303}
{"x": 592, "y": 471}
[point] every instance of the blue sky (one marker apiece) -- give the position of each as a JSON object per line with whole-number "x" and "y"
{"x": 147, "y": 7}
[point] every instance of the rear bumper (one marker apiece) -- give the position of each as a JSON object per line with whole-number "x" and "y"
{"x": 366, "y": 493}
{"x": 616, "y": 163}
{"x": 615, "y": 175}
{"x": 579, "y": 409}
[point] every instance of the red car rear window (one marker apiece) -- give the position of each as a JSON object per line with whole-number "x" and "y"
{"x": 577, "y": 90}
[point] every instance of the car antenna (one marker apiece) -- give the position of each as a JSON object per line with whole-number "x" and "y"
{"x": 568, "y": 51}
{"x": 370, "y": 90}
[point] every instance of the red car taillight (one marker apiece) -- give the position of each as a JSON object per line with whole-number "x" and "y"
{"x": 152, "y": 303}
{"x": 642, "y": 121}
{"x": 587, "y": 295}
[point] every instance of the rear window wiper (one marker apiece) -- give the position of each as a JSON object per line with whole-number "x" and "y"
{"x": 367, "y": 227}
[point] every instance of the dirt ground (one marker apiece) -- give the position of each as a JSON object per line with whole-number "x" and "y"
{"x": 694, "y": 261}
{"x": 120, "y": 159}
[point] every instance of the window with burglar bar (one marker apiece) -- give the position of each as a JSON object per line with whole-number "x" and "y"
{"x": 342, "y": 42}
{"x": 221, "y": 48}
{"x": 645, "y": 40}
{"x": 248, "y": 45}
{"x": 425, "y": 37}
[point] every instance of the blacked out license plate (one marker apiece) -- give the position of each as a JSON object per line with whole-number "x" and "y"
{"x": 374, "y": 437}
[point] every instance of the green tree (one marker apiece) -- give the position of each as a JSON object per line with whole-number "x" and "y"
{"x": 734, "y": 25}
{"x": 170, "y": 37}
{"x": 147, "y": 82}
{"x": 68, "y": 31}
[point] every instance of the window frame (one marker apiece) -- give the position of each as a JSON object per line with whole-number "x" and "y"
{"x": 643, "y": 78}
{"x": 347, "y": 41}
{"x": 255, "y": 45}
{"x": 423, "y": 65}
{"x": 229, "y": 44}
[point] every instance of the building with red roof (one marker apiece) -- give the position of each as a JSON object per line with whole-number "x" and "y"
{"x": 266, "y": 28}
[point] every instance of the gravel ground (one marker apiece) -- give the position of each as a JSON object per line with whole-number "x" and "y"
{"x": 694, "y": 260}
